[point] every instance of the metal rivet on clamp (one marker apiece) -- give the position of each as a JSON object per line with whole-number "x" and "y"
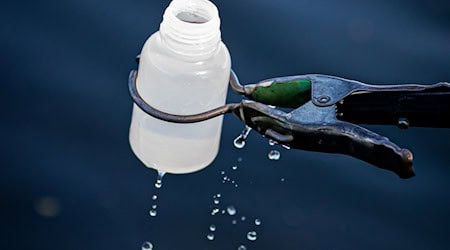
{"x": 323, "y": 99}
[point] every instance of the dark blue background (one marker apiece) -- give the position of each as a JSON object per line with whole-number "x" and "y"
{"x": 65, "y": 113}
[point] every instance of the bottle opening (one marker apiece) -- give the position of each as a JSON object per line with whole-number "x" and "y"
{"x": 192, "y": 17}
{"x": 191, "y": 27}
{"x": 193, "y": 11}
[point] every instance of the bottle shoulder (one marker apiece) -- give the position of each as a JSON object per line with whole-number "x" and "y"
{"x": 160, "y": 56}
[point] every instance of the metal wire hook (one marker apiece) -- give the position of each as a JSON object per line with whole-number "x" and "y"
{"x": 147, "y": 108}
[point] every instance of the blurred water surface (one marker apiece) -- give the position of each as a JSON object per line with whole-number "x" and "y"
{"x": 70, "y": 181}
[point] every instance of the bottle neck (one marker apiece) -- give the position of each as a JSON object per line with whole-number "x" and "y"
{"x": 191, "y": 28}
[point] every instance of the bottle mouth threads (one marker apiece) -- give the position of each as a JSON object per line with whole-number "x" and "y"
{"x": 191, "y": 27}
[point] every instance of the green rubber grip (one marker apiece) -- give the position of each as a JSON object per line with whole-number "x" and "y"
{"x": 290, "y": 94}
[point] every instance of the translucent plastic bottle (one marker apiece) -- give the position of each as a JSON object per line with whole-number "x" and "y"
{"x": 184, "y": 69}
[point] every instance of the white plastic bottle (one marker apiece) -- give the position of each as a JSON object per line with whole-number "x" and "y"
{"x": 184, "y": 69}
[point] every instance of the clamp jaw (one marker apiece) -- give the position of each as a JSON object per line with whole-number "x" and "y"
{"x": 324, "y": 110}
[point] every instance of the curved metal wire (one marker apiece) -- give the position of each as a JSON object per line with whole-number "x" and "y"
{"x": 236, "y": 85}
{"x": 147, "y": 108}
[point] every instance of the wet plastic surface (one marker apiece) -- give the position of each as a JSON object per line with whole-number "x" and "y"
{"x": 66, "y": 112}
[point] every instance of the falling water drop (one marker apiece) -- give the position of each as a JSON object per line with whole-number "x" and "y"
{"x": 274, "y": 155}
{"x": 257, "y": 222}
{"x": 154, "y": 197}
{"x": 210, "y": 236}
{"x": 214, "y": 211}
{"x": 239, "y": 142}
{"x": 147, "y": 246}
{"x": 282, "y": 179}
{"x": 154, "y": 206}
{"x": 239, "y": 159}
{"x": 243, "y": 218}
{"x": 234, "y": 222}
{"x": 234, "y": 167}
{"x": 222, "y": 172}
{"x": 153, "y": 213}
{"x": 216, "y": 201}
{"x": 231, "y": 210}
{"x": 251, "y": 235}
{"x": 218, "y": 195}
{"x": 158, "y": 183}
{"x": 212, "y": 228}
{"x": 242, "y": 247}
{"x": 272, "y": 142}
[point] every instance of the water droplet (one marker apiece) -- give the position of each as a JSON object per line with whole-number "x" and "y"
{"x": 282, "y": 179}
{"x": 218, "y": 195}
{"x": 257, "y": 222}
{"x": 234, "y": 222}
{"x": 158, "y": 183}
{"x": 223, "y": 211}
{"x": 272, "y": 142}
{"x": 234, "y": 167}
{"x": 239, "y": 159}
{"x": 154, "y": 197}
{"x": 236, "y": 185}
{"x": 210, "y": 236}
{"x": 212, "y": 228}
{"x": 153, "y": 213}
{"x": 222, "y": 172}
{"x": 231, "y": 210}
{"x": 214, "y": 211}
{"x": 232, "y": 181}
{"x": 239, "y": 142}
{"x": 154, "y": 206}
{"x": 147, "y": 246}
{"x": 243, "y": 218}
{"x": 216, "y": 201}
{"x": 274, "y": 155}
{"x": 251, "y": 235}
{"x": 225, "y": 178}
{"x": 242, "y": 247}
